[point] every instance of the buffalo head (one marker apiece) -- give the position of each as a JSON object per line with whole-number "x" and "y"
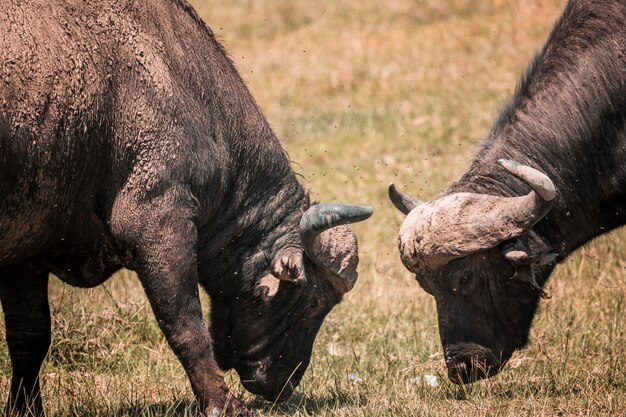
{"x": 266, "y": 332}
{"x": 477, "y": 255}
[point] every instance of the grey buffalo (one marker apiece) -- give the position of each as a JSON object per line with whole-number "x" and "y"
{"x": 128, "y": 139}
{"x": 549, "y": 177}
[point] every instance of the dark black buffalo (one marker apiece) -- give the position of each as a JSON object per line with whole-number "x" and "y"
{"x": 486, "y": 247}
{"x": 128, "y": 139}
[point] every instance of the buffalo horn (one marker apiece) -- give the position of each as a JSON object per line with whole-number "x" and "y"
{"x": 321, "y": 217}
{"x": 539, "y": 182}
{"x": 403, "y": 202}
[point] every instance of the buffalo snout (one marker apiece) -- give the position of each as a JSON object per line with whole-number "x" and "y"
{"x": 275, "y": 384}
{"x": 470, "y": 362}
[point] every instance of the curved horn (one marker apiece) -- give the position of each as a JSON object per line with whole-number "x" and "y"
{"x": 321, "y": 217}
{"x": 459, "y": 224}
{"x": 539, "y": 182}
{"x": 403, "y": 202}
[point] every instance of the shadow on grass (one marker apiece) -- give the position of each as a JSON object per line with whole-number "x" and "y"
{"x": 188, "y": 408}
{"x": 310, "y": 403}
{"x": 182, "y": 408}
{"x": 509, "y": 388}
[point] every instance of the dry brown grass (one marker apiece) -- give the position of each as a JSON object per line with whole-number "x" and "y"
{"x": 363, "y": 93}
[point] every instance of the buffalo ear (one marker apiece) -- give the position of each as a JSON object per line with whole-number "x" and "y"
{"x": 517, "y": 253}
{"x": 267, "y": 287}
{"x": 287, "y": 265}
{"x": 531, "y": 260}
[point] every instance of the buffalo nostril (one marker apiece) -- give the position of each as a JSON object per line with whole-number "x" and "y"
{"x": 470, "y": 370}
{"x": 470, "y": 362}
{"x": 458, "y": 371}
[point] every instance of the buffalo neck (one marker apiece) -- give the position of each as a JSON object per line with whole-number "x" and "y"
{"x": 248, "y": 194}
{"x": 237, "y": 252}
{"x": 254, "y": 210}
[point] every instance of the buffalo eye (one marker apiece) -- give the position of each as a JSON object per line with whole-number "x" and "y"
{"x": 317, "y": 306}
{"x": 466, "y": 278}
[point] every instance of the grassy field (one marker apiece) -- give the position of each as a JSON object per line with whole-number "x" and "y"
{"x": 362, "y": 93}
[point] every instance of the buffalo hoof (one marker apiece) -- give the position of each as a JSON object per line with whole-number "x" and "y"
{"x": 234, "y": 408}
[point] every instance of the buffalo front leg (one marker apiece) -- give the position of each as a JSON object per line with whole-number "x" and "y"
{"x": 164, "y": 241}
{"x": 24, "y": 297}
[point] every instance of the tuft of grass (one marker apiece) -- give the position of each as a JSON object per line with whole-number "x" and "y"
{"x": 362, "y": 93}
